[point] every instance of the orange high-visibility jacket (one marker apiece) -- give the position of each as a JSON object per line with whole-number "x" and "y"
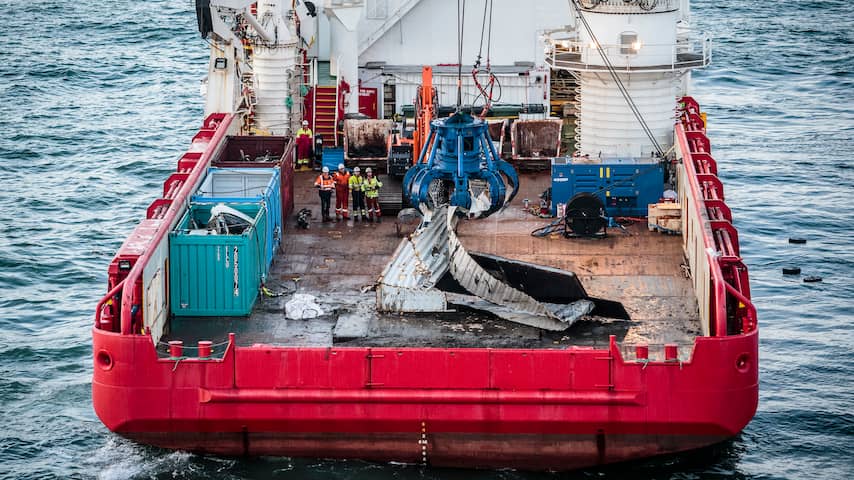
{"x": 325, "y": 183}
{"x": 342, "y": 180}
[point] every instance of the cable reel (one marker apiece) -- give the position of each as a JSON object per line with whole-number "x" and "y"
{"x": 585, "y": 217}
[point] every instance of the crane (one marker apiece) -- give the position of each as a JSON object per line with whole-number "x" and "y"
{"x": 425, "y": 110}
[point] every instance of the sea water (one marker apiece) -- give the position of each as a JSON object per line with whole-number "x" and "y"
{"x": 100, "y": 98}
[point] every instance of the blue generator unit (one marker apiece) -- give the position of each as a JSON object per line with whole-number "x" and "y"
{"x": 626, "y": 187}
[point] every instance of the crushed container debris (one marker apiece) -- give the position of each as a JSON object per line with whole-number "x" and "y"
{"x": 409, "y": 281}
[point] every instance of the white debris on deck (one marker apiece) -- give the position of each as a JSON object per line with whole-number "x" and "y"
{"x": 303, "y": 307}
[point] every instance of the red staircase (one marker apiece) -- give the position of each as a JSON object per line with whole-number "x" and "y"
{"x": 324, "y": 119}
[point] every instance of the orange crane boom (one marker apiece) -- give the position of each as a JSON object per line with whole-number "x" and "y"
{"x": 425, "y": 111}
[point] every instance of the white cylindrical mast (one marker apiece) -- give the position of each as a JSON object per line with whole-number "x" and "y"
{"x": 648, "y": 49}
{"x": 273, "y": 62}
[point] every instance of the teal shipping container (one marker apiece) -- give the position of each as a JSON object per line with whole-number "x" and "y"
{"x": 247, "y": 185}
{"x": 213, "y": 274}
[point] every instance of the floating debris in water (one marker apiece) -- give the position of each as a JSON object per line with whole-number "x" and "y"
{"x": 812, "y": 279}
{"x": 799, "y": 241}
{"x": 791, "y": 270}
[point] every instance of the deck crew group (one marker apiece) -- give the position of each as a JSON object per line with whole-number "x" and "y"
{"x": 364, "y": 190}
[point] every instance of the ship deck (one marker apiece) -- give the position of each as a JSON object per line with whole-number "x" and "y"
{"x": 338, "y": 262}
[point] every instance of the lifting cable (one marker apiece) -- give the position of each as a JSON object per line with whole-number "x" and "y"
{"x": 486, "y": 90}
{"x": 461, "y": 15}
{"x": 623, "y": 90}
{"x": 486, "y": 4}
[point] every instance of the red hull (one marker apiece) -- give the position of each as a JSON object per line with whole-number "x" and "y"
{"x": 526, "y": 452}
{"x": 519, "y": 408}
{"x": 502, "y": 410}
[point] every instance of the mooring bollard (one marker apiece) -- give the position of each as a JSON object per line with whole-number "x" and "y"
{"x": 176, "y": 349}
{"x": 205, "y": 348}
{"x": 671, "y": 352}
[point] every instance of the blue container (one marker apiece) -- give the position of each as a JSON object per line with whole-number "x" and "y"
{"x": 625, "y": 187}
{"x": 332, "y": 157}
{"x": 247, "y": 185}
{"x": 216, "y": 275}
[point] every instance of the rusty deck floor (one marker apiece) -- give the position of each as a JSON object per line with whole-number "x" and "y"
{"x": 335, "y": 261}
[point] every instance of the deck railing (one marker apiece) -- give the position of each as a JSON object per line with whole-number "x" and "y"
{"x": 629, "y": 6}
{"x": 691, "y": 50}
{"x": 127, "y": 293}
{"x": 699, "y": 249}
{"x": 709, "y": 239}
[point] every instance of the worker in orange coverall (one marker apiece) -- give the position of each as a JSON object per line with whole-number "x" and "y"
{"x": 305, "y": 141}
{"x": 342, "y": 192}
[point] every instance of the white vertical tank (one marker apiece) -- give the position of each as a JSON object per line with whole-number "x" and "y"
{"x": 650, "y": 49}
{"x": 274, "y": 64}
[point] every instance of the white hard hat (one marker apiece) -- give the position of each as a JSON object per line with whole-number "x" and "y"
{"x": 357, "y": 170}
{"x": 340, "y": 166}
{"x": 305, "y": 122}
{"x": 368, "y": 170}
{"x": 325, "y": 170}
